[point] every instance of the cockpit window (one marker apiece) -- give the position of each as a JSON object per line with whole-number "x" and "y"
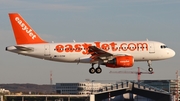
{"x": 163, "y": 46}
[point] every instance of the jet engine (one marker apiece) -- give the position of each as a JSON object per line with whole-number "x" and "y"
{"x": 121, "y": 61}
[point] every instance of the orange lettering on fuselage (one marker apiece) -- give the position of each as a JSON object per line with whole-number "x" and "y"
{"x": 85, "y": 46}
{"x": 59, "y": 48}
{"x": 105, "y": 47}
{"x": 123, "y": 46}
{"x": 113, "y": 46}
{"x": 108, "y": 46}
{"x": 141, "y": 45}
{"x": 98, "y": 44}
{"x": 68, "y": 48}
{"x": 132, "y": 46}
{"x": 77, "y": 47}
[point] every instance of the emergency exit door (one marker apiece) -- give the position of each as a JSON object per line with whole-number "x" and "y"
{"x": 151, "y": 48}
{"x": 46, "y": 50}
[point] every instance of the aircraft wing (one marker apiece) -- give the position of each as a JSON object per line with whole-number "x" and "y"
{"x": 21, "y": 48}
{"x": 97, "y": 53}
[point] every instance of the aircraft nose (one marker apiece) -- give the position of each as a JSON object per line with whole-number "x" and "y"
{"x": 171, "y": 53}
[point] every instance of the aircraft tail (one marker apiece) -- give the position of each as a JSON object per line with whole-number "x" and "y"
{"x": 23, "y": 32}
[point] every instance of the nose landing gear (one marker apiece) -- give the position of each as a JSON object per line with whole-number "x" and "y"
{"x": 150, "y": 69}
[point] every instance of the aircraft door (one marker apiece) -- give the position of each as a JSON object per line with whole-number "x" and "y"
{"x": 151, "y": 48}
{"x": 47, "y": 51}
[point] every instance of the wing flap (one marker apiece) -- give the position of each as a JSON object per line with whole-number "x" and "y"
{"x": 95, "y": 50}
{"x": 97, "y": 53}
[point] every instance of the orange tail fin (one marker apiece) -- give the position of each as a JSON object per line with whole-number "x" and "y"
{"x": 23, "y": 32}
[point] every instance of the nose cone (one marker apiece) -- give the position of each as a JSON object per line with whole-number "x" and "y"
{"x": 171, "y": 53}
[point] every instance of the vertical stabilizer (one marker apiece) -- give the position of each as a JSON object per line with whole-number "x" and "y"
{"x": 23, "y": 32}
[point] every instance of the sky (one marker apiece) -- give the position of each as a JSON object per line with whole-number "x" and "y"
{"x": 89, "y": 20}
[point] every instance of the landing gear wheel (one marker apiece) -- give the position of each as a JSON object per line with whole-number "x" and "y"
{"x": 150, "y": 69}
{"x": 92, "y": 70}
{"x": 98, "y": 70}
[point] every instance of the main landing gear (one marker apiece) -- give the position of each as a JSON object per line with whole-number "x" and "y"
{"x": 150, "y": 69}
{"x": 92, "y": 70}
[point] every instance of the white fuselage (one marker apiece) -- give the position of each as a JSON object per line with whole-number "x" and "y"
{"x": 77, "y": 52}
{"x": 113, "y": 54}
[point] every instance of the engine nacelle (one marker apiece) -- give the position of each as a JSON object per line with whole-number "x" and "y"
{"x": 121, "y": 61}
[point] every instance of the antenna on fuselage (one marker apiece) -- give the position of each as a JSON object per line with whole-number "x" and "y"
{"x": 74, "y": 40}
{"x": 147, "y": 40}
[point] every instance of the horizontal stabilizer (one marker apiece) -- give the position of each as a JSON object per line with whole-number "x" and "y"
{"x": 24, "y": 48}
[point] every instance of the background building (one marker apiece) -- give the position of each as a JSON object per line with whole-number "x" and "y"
{"x": 79, "y": 88}
{"x": 161, "y": 84}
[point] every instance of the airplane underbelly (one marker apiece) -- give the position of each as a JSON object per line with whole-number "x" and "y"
{"x": 67, "y": 58}
{"x": 146, "y": 57}
{"x": 143, "y": 57}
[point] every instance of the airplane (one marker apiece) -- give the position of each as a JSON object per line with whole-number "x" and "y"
{"x": 112, "y": 54}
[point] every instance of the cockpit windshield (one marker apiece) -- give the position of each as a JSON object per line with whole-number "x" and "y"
{"x": 163, "y": 46}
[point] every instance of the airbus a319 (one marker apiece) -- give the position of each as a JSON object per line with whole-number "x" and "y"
{"x": 112, "y": 54}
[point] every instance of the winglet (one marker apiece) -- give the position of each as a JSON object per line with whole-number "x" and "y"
{"x": 23, "y": 32}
